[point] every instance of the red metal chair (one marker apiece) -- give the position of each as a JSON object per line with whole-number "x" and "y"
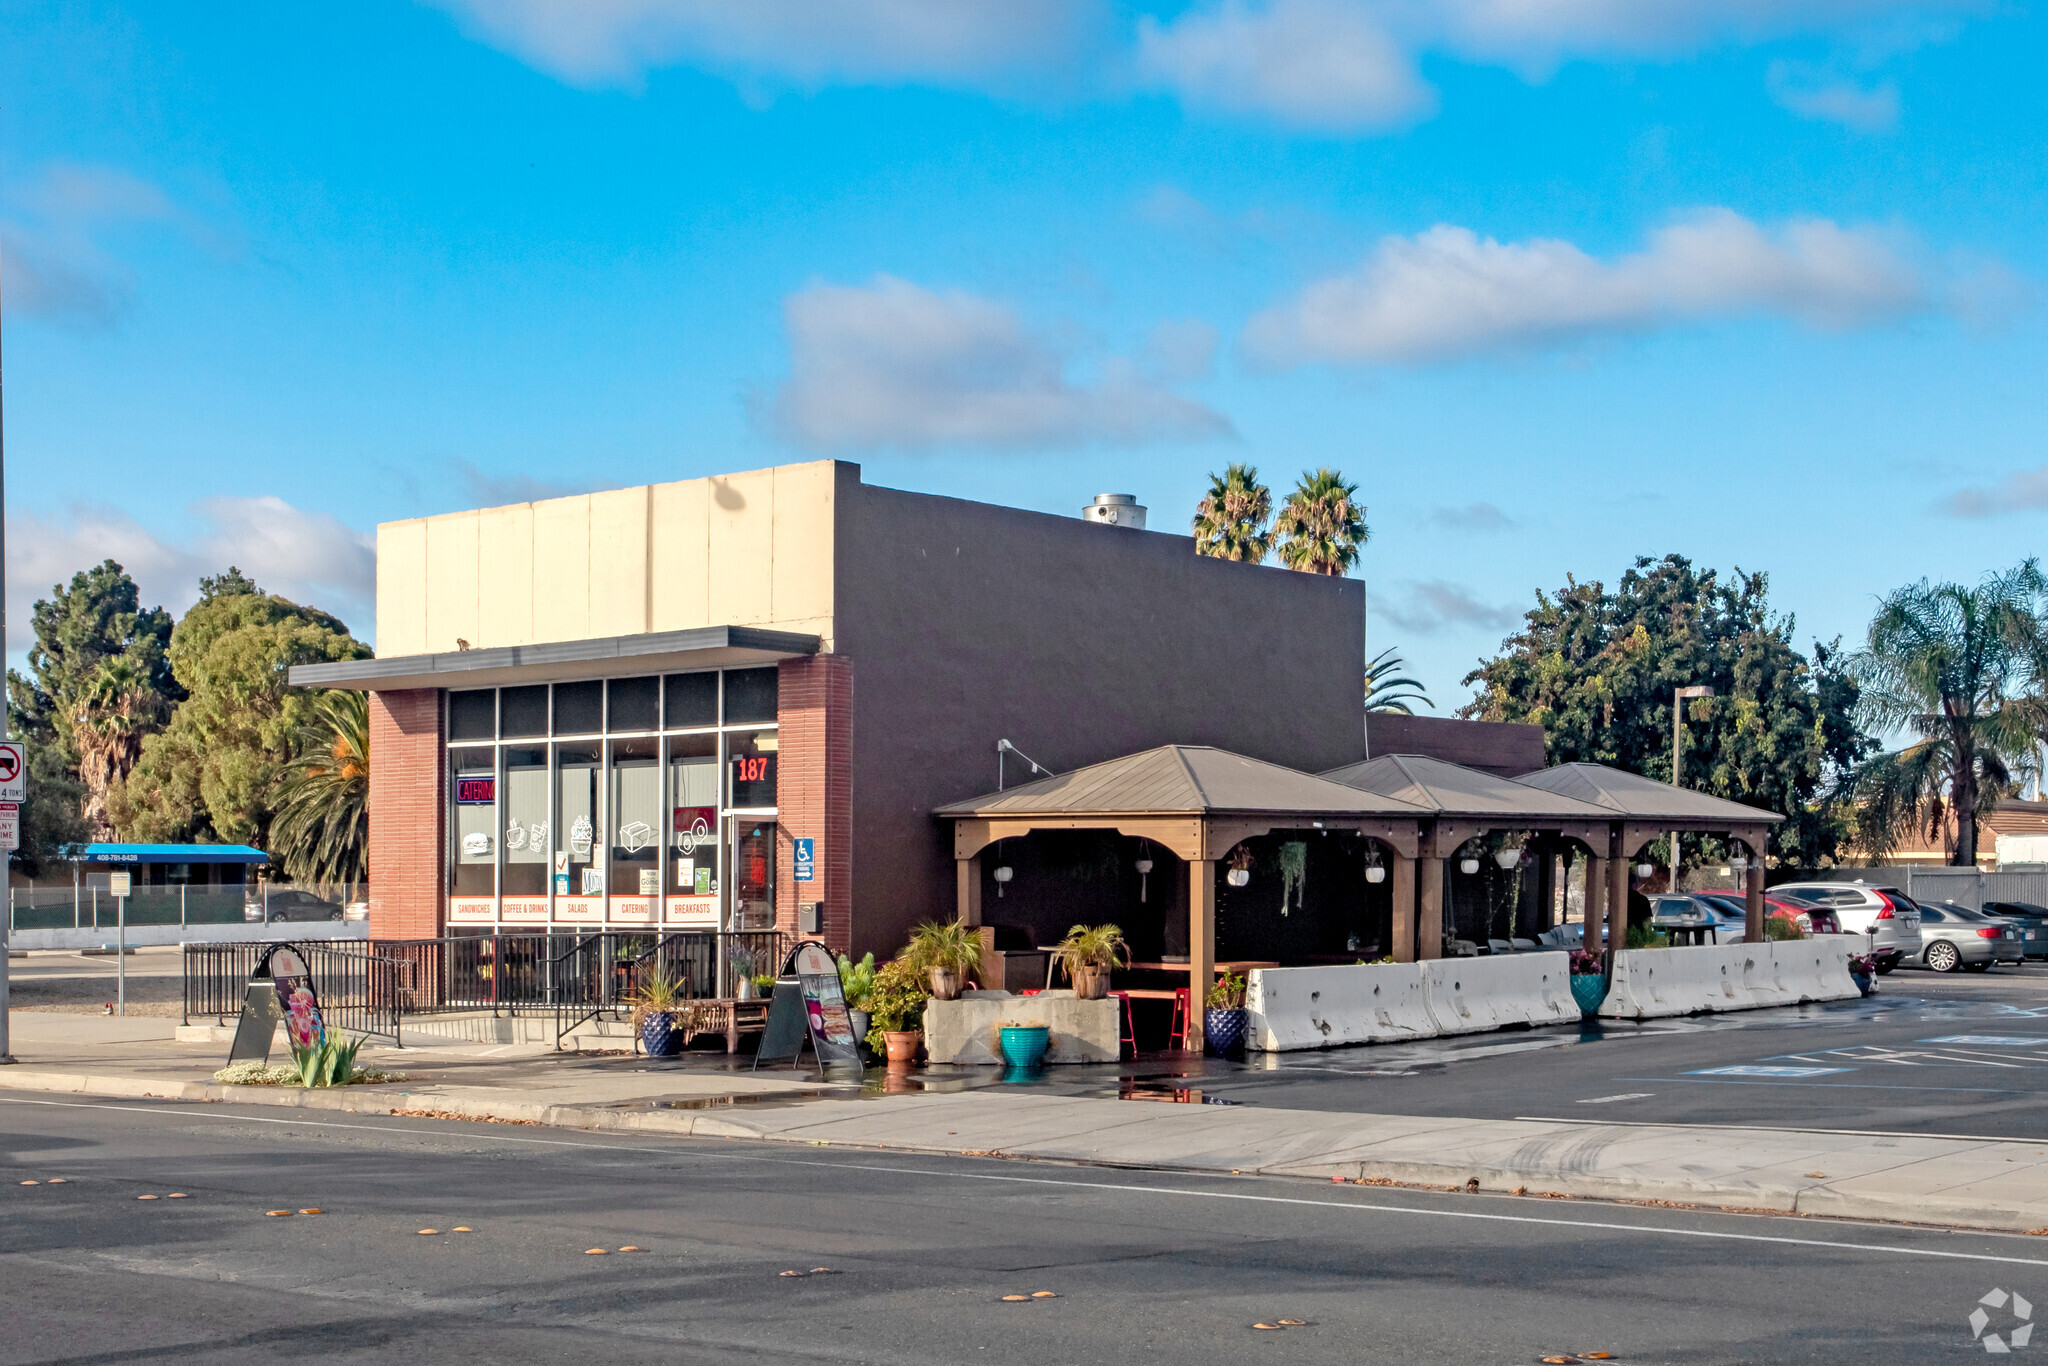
{"x": 1128, "y": 1027}
{"x": 1177, "y": 1037}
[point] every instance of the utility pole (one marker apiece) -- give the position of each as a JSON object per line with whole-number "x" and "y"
{"x": 7, "y": 923}
{"x": 1678, "y": 700}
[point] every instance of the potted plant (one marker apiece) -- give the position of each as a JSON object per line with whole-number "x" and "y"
{"x": 1589, "y": 982}
{"x": 896, "y": 1010}
{"x": 764, "y": 985}
{"x": 1224, "y": 1020}
{"x": 1863, "y": 971}
{"x": 654, "y": 1003}
{"x": 741, "y": 961}
{"x": 949, "y": 952}
{"x": 1088, "y": 953}
{"x": 856, "y": 980}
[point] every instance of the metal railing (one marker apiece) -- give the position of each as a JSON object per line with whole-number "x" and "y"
{"x": 360, "y": 989}
{"x": 573, "y": 977}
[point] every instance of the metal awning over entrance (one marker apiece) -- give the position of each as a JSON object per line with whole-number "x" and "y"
{"x": 705, "y": 647}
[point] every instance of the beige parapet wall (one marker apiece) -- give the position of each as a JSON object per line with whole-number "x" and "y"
{"x": 1299, "y": 1008}
{"x": 752, "y": 549}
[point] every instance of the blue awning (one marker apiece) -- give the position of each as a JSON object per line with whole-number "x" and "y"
{"x": 167, "y": 853}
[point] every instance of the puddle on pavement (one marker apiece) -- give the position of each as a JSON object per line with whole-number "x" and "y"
{"x": 722, "y": 1102}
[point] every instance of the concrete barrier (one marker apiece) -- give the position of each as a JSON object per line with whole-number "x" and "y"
{"x": 1816, "y": 969}
{"x": 1293, "y": 1008}
{"x": 968, "y": 1032}
{"x": 1653, "y": 983}
{"x": 1473, "y": 995}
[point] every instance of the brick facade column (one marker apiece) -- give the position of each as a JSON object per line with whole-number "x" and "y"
{"x": 814, "y": 791}
{"x": 408, "y": 814}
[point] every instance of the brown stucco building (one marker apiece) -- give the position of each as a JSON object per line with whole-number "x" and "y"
{"x": 738, "y": 701}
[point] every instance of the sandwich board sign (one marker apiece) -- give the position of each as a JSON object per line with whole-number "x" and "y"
{"x": 812, "y": 1006}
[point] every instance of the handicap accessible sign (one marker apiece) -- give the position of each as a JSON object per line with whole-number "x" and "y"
{"x": 806, "y": 860}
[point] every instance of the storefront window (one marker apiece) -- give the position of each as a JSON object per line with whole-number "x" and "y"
{"x": 750, "y": 696}
{"x": 633, "y": 704}
{"x": 473, "y": 786}
{"x": 579, "y": 708}
{"x": 692, "y": 700}
{"x": 636, "y": 818}
{"x": 568, "y": 790}
{"x": 526, "y": 821}
{"x": 473, "y": 715}
{"x": 523, "y": 712}
{"x": 693, "y": 814}
{"x": 753, "y": 770}
{"x": 579, "y": 821}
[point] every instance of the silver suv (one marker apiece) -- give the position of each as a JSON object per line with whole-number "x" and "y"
{"x": 1887, "y": 915}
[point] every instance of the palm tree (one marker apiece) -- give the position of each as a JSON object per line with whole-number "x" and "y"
{"x": 1230, "y": 521}
{"x": 1321, "y": 525}
{"x": 1960, "y": 669}
{"x": 113, "y": 713}
{"x": 1386, "y": 691}
{"x": 322, "y": 829}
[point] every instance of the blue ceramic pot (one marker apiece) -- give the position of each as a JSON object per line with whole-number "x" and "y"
{"x": 1224, "y": 1030}
{"x": 659, "y": 1036}
{"x": 1865, "y": 983}
{"x": 1024, "y": 1045}
{"x": 1589, "y": 989}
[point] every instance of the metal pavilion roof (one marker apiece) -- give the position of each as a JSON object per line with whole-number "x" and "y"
{"x": 1449, "y": 789}
{"x": 1633, "y": 797}
{"x": 1182, "y": 780}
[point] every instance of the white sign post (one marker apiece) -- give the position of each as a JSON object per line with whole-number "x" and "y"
{"x": 118, "y": 883}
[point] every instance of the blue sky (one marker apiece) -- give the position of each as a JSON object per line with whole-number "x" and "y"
{"x": 1557, "y": 282}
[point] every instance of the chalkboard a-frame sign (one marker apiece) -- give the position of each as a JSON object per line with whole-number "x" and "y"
{"x": 809, "y": 1003}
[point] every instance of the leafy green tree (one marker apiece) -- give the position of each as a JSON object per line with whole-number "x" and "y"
{"x": 1387, "y": 689}
{"x": 215, "y": 772}
{"x": 93, "y": 621}
{"x": 322, "y": 829}
{"x": 1322, "y": 525}
{"x": 1960, "y": 670}
{"x": 52, "y": 819}
{"x": 1597, "y": 671}
{"x": 1232, "y": 522}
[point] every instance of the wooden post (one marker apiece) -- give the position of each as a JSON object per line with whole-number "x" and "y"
{"x": 1402, "y": 875}
{"x": 1201, "y": 946}
{"x": 1617, "y": 897}
{"x": 1546, "y": 893}
{"x": 1429, "y": 903}
{"x": 1753, "y": 898}
{"x": 968, "y": 874}
{"x": 1596, "y": 902}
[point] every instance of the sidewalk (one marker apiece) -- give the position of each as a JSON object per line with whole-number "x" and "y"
{"x": 1993, "y": 1184}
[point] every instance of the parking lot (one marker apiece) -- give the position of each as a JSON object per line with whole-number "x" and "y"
{"x": 1965, "y": 1056}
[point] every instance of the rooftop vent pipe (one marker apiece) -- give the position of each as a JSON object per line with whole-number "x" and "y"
{"x": 1115, "y": 509}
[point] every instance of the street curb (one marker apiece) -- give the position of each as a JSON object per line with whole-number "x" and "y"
{"x": 1813, "y": 1199}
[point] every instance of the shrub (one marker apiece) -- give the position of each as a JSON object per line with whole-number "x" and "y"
{"x": 896, "y": 1001}
{"x": 332, "y": 1062}
{"x": 1781, "y": 927}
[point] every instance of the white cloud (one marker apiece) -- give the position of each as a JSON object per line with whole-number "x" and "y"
{"x": 809, "y": 42}
{"x": 2020, "y": 491}
{"x": 309, "y": 557}
{"x": 1829, "y": 98}
{"x": 1433, "y": 605}
{"x": 1448, "y": 292}
{"x": 1181, "y": 349}
{"x": 1322, "y": 64}
{"x": 50, "y": 241}
{"x": 1472, "y": 517}
{"x": 891, "y": 364}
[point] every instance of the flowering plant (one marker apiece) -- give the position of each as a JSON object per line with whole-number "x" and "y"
{"x": 1584, "y": 962}
{"x": 1863, "y": 964}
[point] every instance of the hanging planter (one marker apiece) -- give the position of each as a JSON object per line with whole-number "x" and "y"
{"x": 1468, "y": 866}
{"x": 1293, "y": 872}
{"x": 1240, "y": 866}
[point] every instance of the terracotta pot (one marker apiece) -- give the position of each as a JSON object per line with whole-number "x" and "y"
{"x": 1091, "y": 983}
{"x": 945, "y": 984}
{"x": 902, "y": 1043}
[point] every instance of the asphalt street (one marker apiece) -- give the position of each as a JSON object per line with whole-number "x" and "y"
{"x": 1964, "y": 1055}
{"x": 919, "y": 1254}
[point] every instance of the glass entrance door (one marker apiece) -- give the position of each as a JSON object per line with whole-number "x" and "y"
{"x": 752, "y": 842}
